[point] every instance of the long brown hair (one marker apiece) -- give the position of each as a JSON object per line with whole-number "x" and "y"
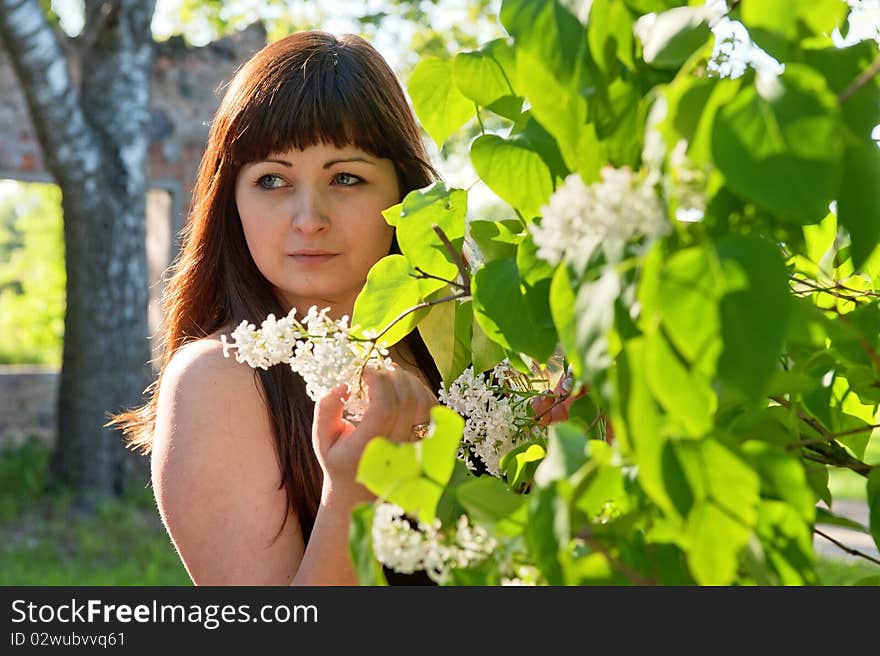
{"x": 308, "y": 88}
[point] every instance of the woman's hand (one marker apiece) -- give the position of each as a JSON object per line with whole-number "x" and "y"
{"x": 397, "y": 401}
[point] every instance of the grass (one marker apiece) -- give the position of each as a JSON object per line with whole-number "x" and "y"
{"x": 46, "y": 543}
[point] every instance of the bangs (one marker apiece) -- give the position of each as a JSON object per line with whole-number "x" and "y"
{"x": 322, "y": 99}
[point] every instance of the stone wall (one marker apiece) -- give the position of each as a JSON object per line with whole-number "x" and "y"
{"x": 28, "y": 398}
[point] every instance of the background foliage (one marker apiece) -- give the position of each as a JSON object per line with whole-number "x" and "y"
{"x": 31, "y": 275}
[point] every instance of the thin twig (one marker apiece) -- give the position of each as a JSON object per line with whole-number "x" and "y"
{"x": 849, "y": 550}
{"x": 425, "y": 274}
{"x": 456, "y": 257}
{"x": 865, "y": 77}
{"x": 808, "y": 420}
{"x": 422, "y": 305}
{"x": 834, "y": 290}
{"x": 855, "y": 431}
{"x": 832, "y": 453}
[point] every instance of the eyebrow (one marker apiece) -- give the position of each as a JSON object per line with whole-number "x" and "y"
{"x": 327, "y": 165}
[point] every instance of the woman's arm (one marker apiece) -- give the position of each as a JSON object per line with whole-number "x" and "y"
{"x": 216, "y": 476}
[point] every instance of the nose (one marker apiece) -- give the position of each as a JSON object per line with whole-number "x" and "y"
{"x": 308, "y": 216}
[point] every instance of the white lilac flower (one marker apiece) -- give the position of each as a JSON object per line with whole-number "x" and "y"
{"x": 406, "y": 545}
{"x": 496, "y": 417}
{"x": 318, "y": 348}
{"x": 522, "y": 575}
{"x": 608, "y": 214}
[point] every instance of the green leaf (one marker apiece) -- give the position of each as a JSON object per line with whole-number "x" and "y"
{"x": 440, "y": 106}
{"x": 594, "y": 317}
{"x": 360, "y": 547}
{"x": 830, "y": 519}
{"x": 775, "y": 24}
{"x": 858, "y": 205}
{"x": 503, "y": 312}
{"x": 421, "y": 210}
{"x": 715, "y": 472}
{"x": 610, "y": 34}
{"x": 782, "y": 477}
{"x": 485, "y": 352}
{"x": 685, "y": 395}
{"x": 390, "y": 290}
{"x": 562, "y": 309}
{"x": 519, "y": 464}
{"x": 778, "y": 144}
{"x": 566, "y": 453}
{"x": 488, "y": 500}
{"x": 873, "y": 495}
{"x": 562, "y": 112}
{"x": 547, "y": 532}
{"x": 495, "y": 239}
{"x": 682, "y": 290}
{"x": 549, "y": 32}
{"x": 414, "y": 475}
{"x": 787, "y": 541}
{"x": 514, "y": 171}
{"x": 755, "y": 316}
{"x": 714, "y": 542}
{"x": 486, "y": 76}
{"x": 841, "y": 67}
{"x": 670, "y": 38}
{"x": 446, "y": 331}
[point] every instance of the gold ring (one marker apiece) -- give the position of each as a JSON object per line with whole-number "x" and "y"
{"x": 421, "y": 430}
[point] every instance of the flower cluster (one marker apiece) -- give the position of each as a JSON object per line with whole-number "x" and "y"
{"x": 580, "y": 219}
{"x": 496, "y": 413}
{"x": 318, "y": 348}
{"x": 406, "y": 545}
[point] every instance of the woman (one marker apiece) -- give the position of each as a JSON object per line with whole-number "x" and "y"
{"x": 254, "y": 482}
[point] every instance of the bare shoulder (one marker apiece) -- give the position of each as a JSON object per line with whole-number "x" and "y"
{"x": 216, "y": 474}
{"x": 206, "y": 397}
{"x": 208, "y": 400}
{"x": 202, "y": 363}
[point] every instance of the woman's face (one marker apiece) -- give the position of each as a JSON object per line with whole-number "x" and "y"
{"x": 313, "y": 222}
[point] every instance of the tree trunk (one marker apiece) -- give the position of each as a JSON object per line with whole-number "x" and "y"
{"x": 95, "y": 140}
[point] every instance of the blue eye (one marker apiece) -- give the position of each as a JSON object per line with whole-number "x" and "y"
{"x": 346, "y": 179}
{"x": 270, "y": 182}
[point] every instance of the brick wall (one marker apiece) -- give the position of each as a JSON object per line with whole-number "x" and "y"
{"x": 187, "y": 86}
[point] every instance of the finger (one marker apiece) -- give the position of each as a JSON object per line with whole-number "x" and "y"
{"x": 405, "y": 410}
{"x": 426, "y": 401}
{"x": 378, "y": 417}
{"x": 328, "y": 423}
{"x": 541, "y": 405}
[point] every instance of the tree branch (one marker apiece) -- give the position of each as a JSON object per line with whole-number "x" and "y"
{"x": 849, "y": 550}
{"x": 420, "y": 306}
{"x": 830, "y": 451}
{"x": 41, "y": 66}
{"x": 865, "y": 77}
{"x": 456, "y": 257}
{"x": 429, "y": 276}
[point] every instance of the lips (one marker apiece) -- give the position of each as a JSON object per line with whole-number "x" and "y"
{"x": 312, "y": 256}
